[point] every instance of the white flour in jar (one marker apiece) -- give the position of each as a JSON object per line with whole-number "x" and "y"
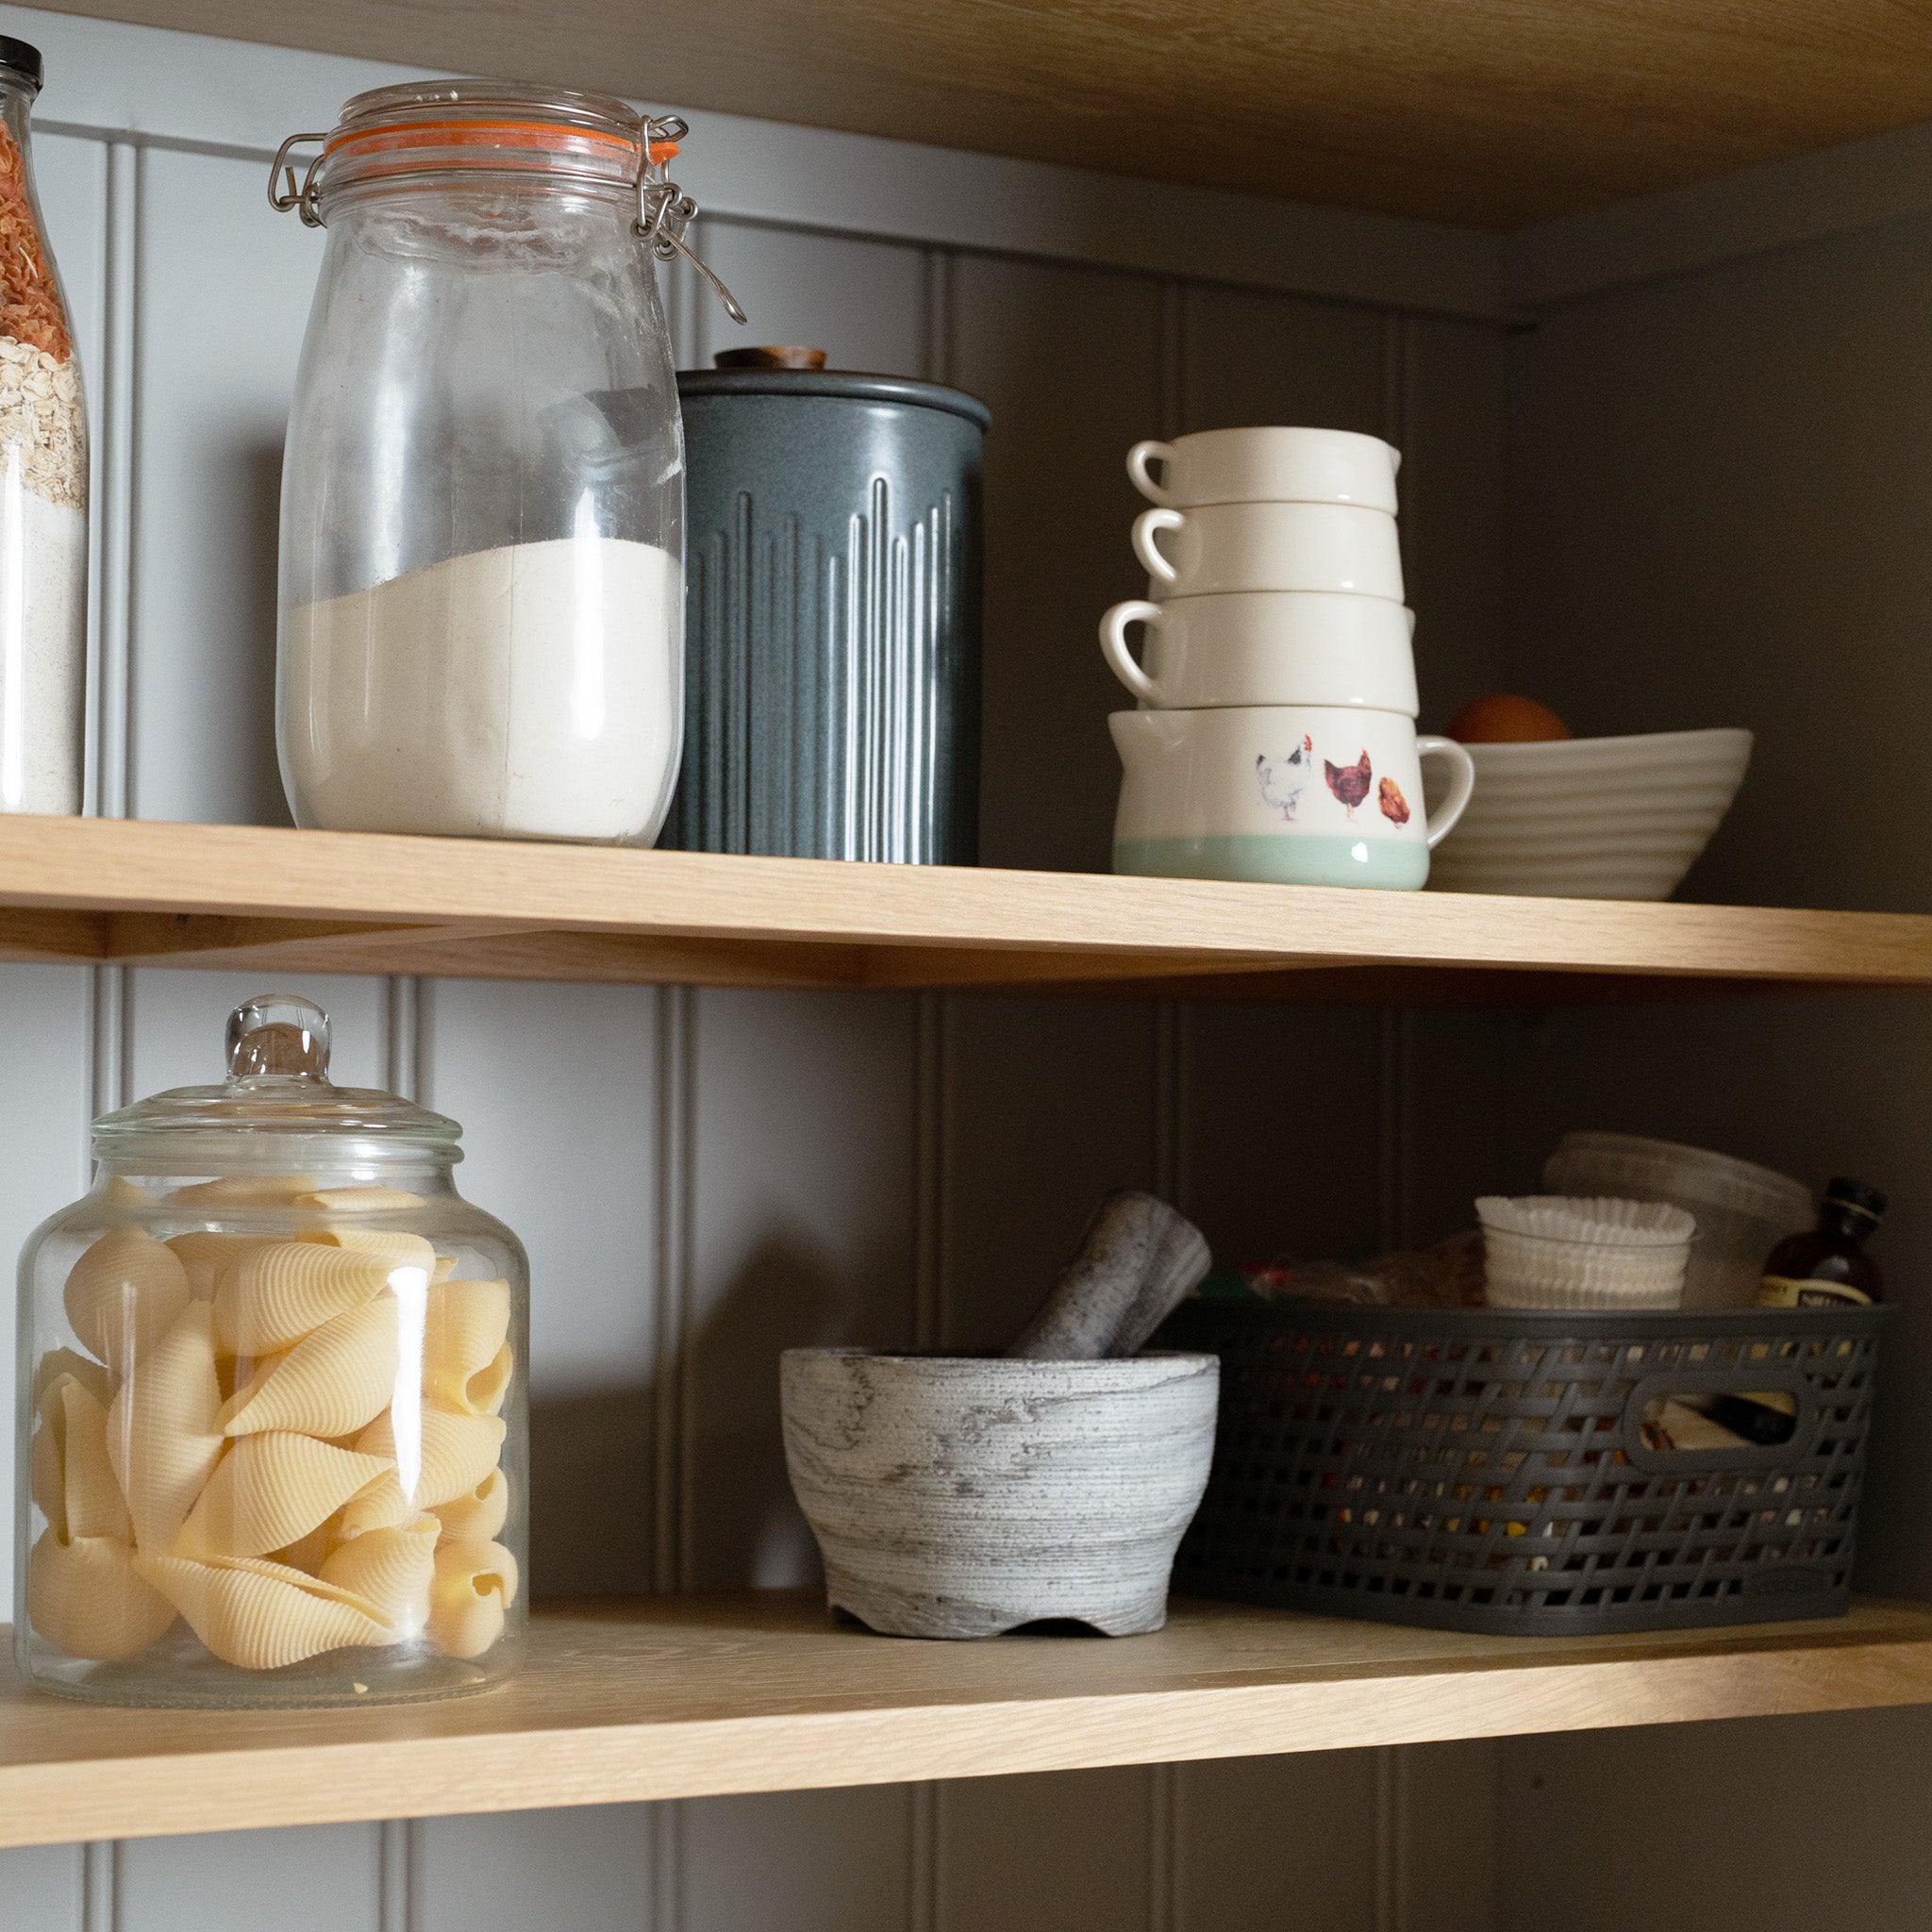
{"x": 529, "y": 692}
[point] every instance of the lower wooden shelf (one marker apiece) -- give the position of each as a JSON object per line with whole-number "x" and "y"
{"x": 678, "y": 1697}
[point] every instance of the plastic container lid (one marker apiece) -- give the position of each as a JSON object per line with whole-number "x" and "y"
{"x": 1718, "y": 1179}
{"x": 276, "y": 1110}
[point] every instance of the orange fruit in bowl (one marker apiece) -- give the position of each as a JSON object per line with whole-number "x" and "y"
{"x": 1504, "y": 718}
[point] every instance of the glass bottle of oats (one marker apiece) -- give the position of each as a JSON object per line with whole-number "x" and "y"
{"x": 43, "y": 484}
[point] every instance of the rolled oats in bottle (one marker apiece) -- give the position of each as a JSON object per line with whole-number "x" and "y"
{"x": 43, "y": 484}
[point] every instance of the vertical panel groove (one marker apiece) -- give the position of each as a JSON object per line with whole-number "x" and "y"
{"x": 1395, "y": 1192}
{"x": 926, "y": 1894}
{"x": 110, "y": 1046}
{"x": 100, "y": 1871}
{"x": 676, "y": 1129}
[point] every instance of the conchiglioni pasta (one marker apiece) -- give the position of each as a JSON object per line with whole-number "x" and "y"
{"x": 307, "y": 1552}
{"x": 335, "y": 1381}
{"x": 474, "y": 1585}
{"x": 359, "y": 1200}
{"x": 477, "y": 1514}
{"x": 163, "y": 1438}
{"x": 391, "y": 1569}
{"x": 67, "y": 1361}
{"x": 248, "y": 1191}
{"x": 123, "y": 1294}
{"x": 453, "y": 1453}
{"x": 263, "y": 1616}
{"x": 84, "y": 1595}
{"x": 259, "y": 1404}
{"x": 465, "y": 1362}
{"x": 276, "y": 1294}
{"x": 72, "y": 1481}
{"x": 382, "y": 1505}
{"x": 408, "y": 1259}
{"x": 269, "y": 1490}
{"x": 204, "y": 1253}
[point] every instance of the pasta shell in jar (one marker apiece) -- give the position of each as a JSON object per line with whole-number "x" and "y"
{"x": 273, "y": 1429}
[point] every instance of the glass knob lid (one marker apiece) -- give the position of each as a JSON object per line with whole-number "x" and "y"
{"x": 278, "y": 1089}
{"x": 278, "y": 1035}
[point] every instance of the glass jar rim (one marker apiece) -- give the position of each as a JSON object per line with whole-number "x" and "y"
{"x": 423, "y": 130}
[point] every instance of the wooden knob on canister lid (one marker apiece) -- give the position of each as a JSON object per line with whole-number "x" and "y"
{"x": 777, "y": 357}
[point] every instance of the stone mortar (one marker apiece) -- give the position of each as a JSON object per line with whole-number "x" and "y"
{"x": 956, "y": 1496}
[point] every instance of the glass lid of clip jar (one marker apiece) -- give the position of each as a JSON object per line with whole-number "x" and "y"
{"x": 272, "y": 1415}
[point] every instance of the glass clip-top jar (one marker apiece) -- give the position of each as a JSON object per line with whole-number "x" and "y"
{"x": 271, "y": 1418}
{"x": 481, "y": 605}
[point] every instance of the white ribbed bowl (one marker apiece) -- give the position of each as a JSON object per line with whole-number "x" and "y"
{"x": 1547, "y": 1251}
{"x": 1592, "y": 817}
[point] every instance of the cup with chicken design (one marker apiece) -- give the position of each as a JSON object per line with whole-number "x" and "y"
{"x": 1287, "y": 795}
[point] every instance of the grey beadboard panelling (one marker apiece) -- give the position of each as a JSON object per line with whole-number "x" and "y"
{"x": 861, "y": 301}
{"x": 215, "y": 367}
{"x": 1254, "y": 358}
{"x": 179, "y": 1021}
{"x": 1283, "y": 1114}
{"x": 1445, "y": 1861}
{"x": 1719, "y": 498}
{"x": 588, "y": 1870}
{"x": 1070, "y": 361}
{"x": 703, "y": 1178}
{"x": 804, "y": 1160}
{"x": 1687, "y": 1826}
{"x": 1270, "y": 1843}
{"x": 800, "y": 1861}
{"x": 1060, "y": 1852}
{"x": 555, "y": 1087}
{"x": 318, "y": 1878}
{"x": 41, "y": 1888}
{"x": 1747, "y": 547}
{"x": 1048, "y": 1104}
{"x": 1449, "y": 386}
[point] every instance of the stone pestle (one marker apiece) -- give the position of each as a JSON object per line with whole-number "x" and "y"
{"x": 1137, "y": 1261}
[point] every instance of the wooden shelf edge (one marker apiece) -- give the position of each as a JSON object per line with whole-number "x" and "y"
{"x": 689, "y": 1697}
{"x": 231, "y": 896}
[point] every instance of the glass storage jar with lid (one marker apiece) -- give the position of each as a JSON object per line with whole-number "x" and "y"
{"x": 271, "y": 1419}
{"x": 482, "y": 556}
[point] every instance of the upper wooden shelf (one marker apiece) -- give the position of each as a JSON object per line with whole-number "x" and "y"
{"x": 1490, "y": 113}
{"x": 138, "y": 893}
{"x": 678, "y": 1697}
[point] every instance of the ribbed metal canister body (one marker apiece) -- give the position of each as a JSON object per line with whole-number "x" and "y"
{"x": 831, "y": 618}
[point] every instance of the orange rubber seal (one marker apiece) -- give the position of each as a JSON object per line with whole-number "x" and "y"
{"x": 546, "y": 137}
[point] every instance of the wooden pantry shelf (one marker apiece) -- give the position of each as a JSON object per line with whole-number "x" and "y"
{"x": 696, "y": 1697}
{"x": 264, "y": 900}
{"x": 1489, "y": 112}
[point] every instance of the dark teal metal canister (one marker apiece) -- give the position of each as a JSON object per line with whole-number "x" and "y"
{"x": 832, "y": 614}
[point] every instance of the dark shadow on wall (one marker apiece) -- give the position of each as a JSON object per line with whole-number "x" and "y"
{"x": 592, "y": 1457}
{"x": 252, "y": 696}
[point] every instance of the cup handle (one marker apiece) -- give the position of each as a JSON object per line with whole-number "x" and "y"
{"x": 1149, "y": 521}
{"x": 1138, "y": 458}
{"x": 1442, "y": 823}
{"x": 1113, "y": 645}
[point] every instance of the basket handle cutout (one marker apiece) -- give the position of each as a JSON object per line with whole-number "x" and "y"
{"x": 1784, "y": 1393}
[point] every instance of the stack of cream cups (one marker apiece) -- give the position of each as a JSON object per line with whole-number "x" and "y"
{"x": 1274, "y": 735}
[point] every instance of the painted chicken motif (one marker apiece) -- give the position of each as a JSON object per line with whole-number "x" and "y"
{"x": 1350, "y": 783}
{"x": 1394, "y": 806}
{"x": 1284, "y": 780}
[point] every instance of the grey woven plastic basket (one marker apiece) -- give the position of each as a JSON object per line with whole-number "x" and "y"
{"x": 1476, "y": 1470}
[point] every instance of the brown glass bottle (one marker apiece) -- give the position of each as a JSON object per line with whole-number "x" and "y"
{"x": 1828, "y": 1267}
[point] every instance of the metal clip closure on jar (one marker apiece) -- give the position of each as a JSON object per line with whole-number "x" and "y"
{"x": 422, "y": 131}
